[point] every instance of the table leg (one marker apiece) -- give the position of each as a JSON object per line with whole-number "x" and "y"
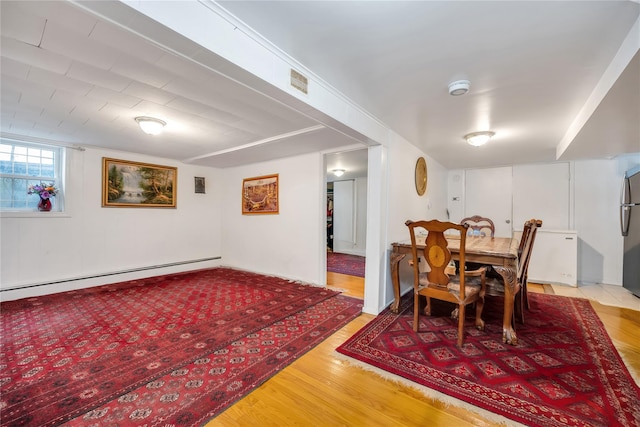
{"x": 511, "y": 287}
{"x": 394, "y": 260}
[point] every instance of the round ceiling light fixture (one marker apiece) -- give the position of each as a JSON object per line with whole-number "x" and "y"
{"x": 150, "y": 125}
{"x": 459, "y": 87}
{"x": 479, "y": 138}
{"x": 338, "y": 172}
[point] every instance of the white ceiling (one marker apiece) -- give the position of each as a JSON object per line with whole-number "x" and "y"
{"x": 538, "y": 71}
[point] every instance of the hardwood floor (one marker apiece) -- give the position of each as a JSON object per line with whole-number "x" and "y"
{"x": 323, "y": 388}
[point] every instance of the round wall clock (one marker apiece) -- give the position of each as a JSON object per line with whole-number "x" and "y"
{"x": 421, "y": 176}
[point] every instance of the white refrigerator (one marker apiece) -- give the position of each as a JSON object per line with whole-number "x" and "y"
{"x": 630, "y": 227}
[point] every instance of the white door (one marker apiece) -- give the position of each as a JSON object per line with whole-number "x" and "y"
{"x": 488, "y": 193}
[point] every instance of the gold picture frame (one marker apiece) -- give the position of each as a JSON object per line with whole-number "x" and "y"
{"x": 127, "y": 184}
{"x": 260, "y": 195}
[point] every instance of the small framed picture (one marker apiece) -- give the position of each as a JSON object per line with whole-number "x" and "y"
{"x": 199, "y": 184}
{"x": 260, "y": 195}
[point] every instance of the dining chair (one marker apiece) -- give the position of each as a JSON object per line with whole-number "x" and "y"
{"x": 478, "y": 223}
{"x": 524, "y": 296}
{"x": 495, "y": 283}
{"x": 440, "y": 282}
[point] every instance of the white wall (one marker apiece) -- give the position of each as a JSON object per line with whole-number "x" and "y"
{"x": 88, "y": 239}
{"x": 404, "y": 203}
{"x": 597, "y": 218}
{"x": 591, "y": 208}
{"x": 288, "y": 244}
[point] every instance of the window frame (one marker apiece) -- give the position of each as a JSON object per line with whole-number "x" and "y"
{"x": 59, "y": 172}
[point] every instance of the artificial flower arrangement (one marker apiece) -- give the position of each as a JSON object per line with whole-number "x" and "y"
{"x": 43, "y": 190}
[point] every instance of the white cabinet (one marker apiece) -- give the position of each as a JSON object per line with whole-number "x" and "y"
{"x": 555, "y": 257}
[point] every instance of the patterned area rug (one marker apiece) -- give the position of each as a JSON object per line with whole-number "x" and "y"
{"x": 564, "y": 371}
{"x": 352, "y": 265}
{"x": 169, "y": 350}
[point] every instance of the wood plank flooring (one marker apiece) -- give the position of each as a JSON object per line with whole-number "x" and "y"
{"x": 323, "y": 389}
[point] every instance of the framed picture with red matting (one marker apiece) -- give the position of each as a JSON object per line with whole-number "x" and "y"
{"x": 260, "y": 195}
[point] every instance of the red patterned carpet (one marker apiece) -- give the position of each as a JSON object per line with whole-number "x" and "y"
{"x": 169, "y": 350}
{"x": 564, "y": 371}
{"x": 352, "y": 265}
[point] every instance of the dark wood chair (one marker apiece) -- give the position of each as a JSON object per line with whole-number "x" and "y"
{"x": 495, "y": 283}
{"x": 478, "y": 223}
{"x": 524, "y": 300}
{"x": 463, "y": 289}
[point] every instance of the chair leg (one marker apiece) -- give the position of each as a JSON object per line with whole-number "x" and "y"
{"x": 518, "y": 310}
{"x": 479, "y": 308}
{"x": 427, "y": 308}
{"x": 460, "y": 325}
{"x": 416, "y": 310}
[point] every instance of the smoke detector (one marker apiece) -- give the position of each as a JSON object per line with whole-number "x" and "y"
{"x": 459, "y": 87}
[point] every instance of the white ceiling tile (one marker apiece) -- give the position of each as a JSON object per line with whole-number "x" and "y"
{"x": 220, "y": 116}
{"x": 14, "y": 68}
{"x": 98, "y": 77}
{"x": 144, "y": 91}
{"x": 89, "y": 104}
{"x": 9, "y": 96}
{"x": 64, "y": 13}
{"x": 59, "y": 81}
{"x": 68, "y": 126}
{"x": 17, "y": 23}
{"x": 62, "y": 101}
{"x": 31, "y": 55}
{"x": 61, "y": 40}
{"x": 35, "y": 95}
{"x": 196, "y": 72}
{"x": 113, "y": 97}
{"x": 143, "y": 72}
{"x": 51, "y": 118}
{"x": 111, "y": 112}
{"x": 163, "y": 35}
{"x": 126, "y": 42}
{"x": 188, "y": 106}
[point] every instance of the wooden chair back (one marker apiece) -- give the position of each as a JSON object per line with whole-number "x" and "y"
{"x": 526, "y": 244}
{"x": 478, "y": 223}
{"x": 436, "y": 283}
{"x": 436, "y": 252}
{"x": 525, "y": 258}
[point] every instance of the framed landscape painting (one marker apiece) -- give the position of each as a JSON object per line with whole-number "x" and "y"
{"x": 133, "y": 184}
{"x": 260, "y": 195}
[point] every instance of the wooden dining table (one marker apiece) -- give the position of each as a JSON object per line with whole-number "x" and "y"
{"x": 499, "y": 252}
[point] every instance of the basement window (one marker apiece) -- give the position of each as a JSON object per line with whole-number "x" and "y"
{"x": 23, "y": 164}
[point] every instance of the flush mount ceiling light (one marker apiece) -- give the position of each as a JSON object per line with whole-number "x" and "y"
{"x": 459, "y": 87}
{"x": 338, "y": 172}
{"x": 150, "y": 125}
{"x": 479, "y": 138}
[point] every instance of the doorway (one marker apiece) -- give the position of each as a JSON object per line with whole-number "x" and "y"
{"x": 346, "y": 220}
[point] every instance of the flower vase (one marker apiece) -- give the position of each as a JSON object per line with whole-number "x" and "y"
{"x": 44, "y": 205}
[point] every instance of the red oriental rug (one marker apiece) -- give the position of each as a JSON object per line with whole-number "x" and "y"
{"x": 173, "y": 349}
{"x": 352, "y": 265}
{"x": 564, "y": 371}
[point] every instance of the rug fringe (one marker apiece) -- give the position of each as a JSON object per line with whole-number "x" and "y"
{"x": 427, "y": 392}
{"x": 636, "y": 377}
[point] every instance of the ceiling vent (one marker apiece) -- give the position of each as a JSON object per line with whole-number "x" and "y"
{"x": 299, "y": 81}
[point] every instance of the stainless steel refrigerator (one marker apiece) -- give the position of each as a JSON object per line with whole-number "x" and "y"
{"x": 630, "y": 225}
